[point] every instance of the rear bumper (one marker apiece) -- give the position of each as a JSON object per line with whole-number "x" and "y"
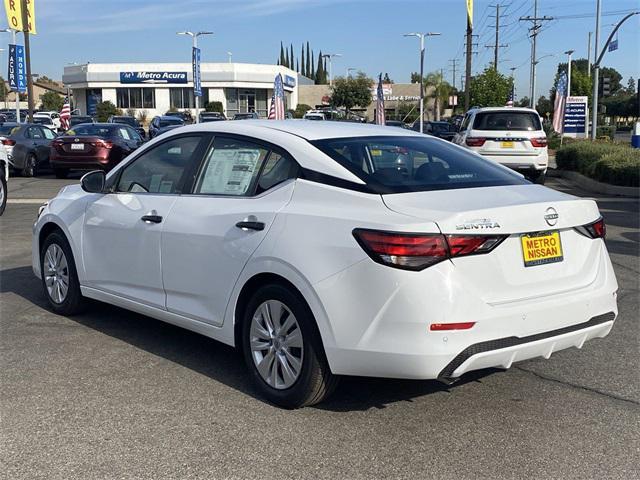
{"x": 82, "y": 163}
{"x": 522, "y": 163}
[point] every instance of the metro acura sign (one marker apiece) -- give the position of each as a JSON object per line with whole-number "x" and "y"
{"x": 153, "y": 77}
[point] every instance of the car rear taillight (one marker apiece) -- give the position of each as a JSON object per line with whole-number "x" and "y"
{"x": 416, "y": 251}
{"x": 8, "y": 142}
{"x": 597, "y": 229}
{"x": 539, "y": 142}
{"x": 102, "y": 143}
{"x": 475, "y": 141}
{"x": 57, "y": 143}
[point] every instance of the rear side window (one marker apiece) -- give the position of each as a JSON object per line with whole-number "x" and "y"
{"x": 522, "y": 121}
{"x": 414, "y": 164}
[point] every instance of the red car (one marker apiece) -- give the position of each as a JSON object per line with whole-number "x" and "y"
{"x": 92, "y": 146}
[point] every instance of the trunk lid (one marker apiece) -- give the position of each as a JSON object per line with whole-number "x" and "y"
{"x": 80, "y": 145}
{"x": 500, "y": 276}
{"x": 506, "y": 143}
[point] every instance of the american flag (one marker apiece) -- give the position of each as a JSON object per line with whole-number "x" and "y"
{"x": 558, "y": 106}
{"x": 65, "y": 114}
{"x": 276, "y": 110}
{"x": 511, "y": 95}
{"x": 380, "y": 120}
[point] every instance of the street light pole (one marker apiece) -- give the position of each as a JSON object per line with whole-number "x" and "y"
{"x": 596, "y": 68}
{"x": 194, "y": 36}
{"x": 569, "y": 53}
{"x": 230, "y": 55}
{"x": 421, "y": 37}
{"x": 330, "y": 56}
{"x": 349, "y": 70}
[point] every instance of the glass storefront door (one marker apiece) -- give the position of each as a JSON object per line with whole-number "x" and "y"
{"x": 247, "y": 100}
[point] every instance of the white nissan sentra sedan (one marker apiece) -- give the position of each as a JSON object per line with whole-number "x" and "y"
{"x": 323, "y": 249}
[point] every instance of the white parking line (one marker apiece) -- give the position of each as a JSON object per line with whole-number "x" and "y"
{"x": 27, "y": 201}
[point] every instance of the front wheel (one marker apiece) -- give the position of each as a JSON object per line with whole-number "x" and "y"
{"x": 59, "y": 276}
{"x": 283, "y": 349}
{"x": 3, "y": 191}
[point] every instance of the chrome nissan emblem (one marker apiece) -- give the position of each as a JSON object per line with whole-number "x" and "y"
{"x": 551, "y": 216}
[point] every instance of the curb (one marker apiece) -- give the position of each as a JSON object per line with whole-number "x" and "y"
{"x": 594, "y": 186}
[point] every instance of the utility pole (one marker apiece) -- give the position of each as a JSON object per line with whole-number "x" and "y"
{"x": 467, "y": 75}
{"x": 27, "y": 55}
{"x": 589, "y": 56}
{"x": 534, "y": 34}
{"x": 496, "y": 46}
{"x": 596, "y": 71}
{"x": 453, "y": 79}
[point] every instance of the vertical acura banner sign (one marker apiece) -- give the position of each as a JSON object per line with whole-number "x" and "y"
{"x": 195, "y": 61}
{"x": 575, "y": 117}
{"x": 17, "y": 73}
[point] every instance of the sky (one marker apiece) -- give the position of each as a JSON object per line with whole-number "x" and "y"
{"x": 368, "y": 34}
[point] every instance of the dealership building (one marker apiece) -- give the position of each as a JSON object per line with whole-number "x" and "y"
{"x": 159, "y": 87}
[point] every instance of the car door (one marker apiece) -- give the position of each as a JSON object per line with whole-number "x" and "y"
{"x": 211, "y": 234}
{"x": 461, "y": 134}
{"x": 122, "y": 229}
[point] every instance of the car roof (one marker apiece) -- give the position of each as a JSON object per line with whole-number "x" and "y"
{"x": 505, "y": 109}
{"x": 167, "y": 117}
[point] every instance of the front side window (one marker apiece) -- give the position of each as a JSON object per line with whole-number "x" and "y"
{"x": 160, "y": 169}
{"x": 231, "y": 167}
{"x": 413, "y": 164}
{"x": 48, "y": 134}
{"x": 35, "y": 133}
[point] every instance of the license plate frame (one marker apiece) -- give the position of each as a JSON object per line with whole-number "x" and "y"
{"x": 77, "y": 146}
{"x": 541, "y": 248}
{"x": 507, "y": 144}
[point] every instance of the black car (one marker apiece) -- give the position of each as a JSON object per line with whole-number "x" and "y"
{"x": 442, "y": 130}
{"x": 163, "y": 123}
{"x": 211, "y": 117}
{"x": 185, "y": 116}
{"x": 246, "y": 116}
{"x": 127, "y": 120}
{"x": 394, "y": 123}
{"x": 27, "y": 146}
{"x": 78, "y": 119}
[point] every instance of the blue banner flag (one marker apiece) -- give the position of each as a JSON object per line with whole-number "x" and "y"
{"x": 195, "y": 61}
{"x": 17, "y": 70}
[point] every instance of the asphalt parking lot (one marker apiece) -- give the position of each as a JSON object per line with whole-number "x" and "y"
{"x": 113, "y": 394}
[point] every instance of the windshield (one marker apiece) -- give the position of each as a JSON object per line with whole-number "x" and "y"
{"x": 42, "y": 120}
{"x": 414, "y": 164}
{"x": 440, "y": 127}
{"x": 500, "y": 120}
{"x": 93, "y": 130}
{"x": 167, "y": 122}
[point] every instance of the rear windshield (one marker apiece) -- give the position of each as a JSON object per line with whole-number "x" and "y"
{"x": 7, "y": 129}
{"x": 165, "y": 122}
{"x": 440, "y": 127}
{"x": 125, "y": 120}
{"x": 76, "y": 120}
{"x": 414, "y": 164}
{"x": 524, "y": 121}
{"x": 92, "y": 130}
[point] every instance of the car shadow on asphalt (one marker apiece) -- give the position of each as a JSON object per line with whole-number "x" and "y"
{"x": 216, "y": 360}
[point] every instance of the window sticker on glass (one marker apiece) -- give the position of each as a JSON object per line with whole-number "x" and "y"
{"x": 231, "y": 171}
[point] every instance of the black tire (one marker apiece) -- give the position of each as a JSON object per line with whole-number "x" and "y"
{"x": 61, "y": 172}
{"x": 3, "y": 191}
{"x": 30, "y": 166}
{"x": 73, "y": 302}
{"x": 315, "y": 381}
{"x": 539, "y": 178}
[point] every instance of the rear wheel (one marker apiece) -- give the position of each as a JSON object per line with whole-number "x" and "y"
{"x": 61, "y": 172}
{"x": 30, "y": 166}
{"x": 283, "y": 349}
{"x": 59, "y": 276}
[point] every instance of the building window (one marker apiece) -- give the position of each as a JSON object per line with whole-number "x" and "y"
{"x": 136, "y": 97}
{"x": 246, "y": 100}
{"x": 183, "y": 98}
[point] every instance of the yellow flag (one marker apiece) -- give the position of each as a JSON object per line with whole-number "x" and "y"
{"x": 470, "y": 13}
{"x": 14, "y": 15}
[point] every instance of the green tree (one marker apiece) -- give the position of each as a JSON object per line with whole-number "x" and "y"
{"x": 351, "y": 92}
{"x": 309, "y": 61}
{"x": 292, "y": 62}
{"x": 214, "y": 106}
{"x": 490, "y": 88}
{"x": 303, "y": 65}
{"x": 631, "y": 86}
{"x": 439, "y": 90}
{"x": 581, "y": 84}
{"x": 283, "y": 60}
{"x": 523, "y": 102}
{"x": 321, "y": 75}
{"x": 386, "y": 78}
{"x": 544, "y": 106}
{"x": 105, "y": 109}
{"x": 3, "y": 90}
{"x": 300, "y": 110}
{"x": 415, "y": 77}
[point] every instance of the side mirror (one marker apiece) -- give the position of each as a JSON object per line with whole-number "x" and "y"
{"x": 93, "y": 182}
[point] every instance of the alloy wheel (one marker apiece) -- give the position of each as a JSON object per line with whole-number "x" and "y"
{"x": 56, "y": 274}
{"x": 276, "y": 344}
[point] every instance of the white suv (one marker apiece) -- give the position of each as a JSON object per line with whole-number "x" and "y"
{"x": 54, "y": 118}
{"x": 510, "y": 136}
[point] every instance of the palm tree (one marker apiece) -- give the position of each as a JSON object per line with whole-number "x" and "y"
{"x": 440, "y": 91}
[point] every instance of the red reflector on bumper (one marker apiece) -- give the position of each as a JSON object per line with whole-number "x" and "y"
{"x": 451, "y": 326}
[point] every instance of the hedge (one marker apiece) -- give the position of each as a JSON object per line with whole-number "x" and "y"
{"x": 611, "y": 163}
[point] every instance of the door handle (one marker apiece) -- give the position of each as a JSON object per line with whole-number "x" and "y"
{"x": 250, "y": 225}
{"x": 151, "y": 217}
